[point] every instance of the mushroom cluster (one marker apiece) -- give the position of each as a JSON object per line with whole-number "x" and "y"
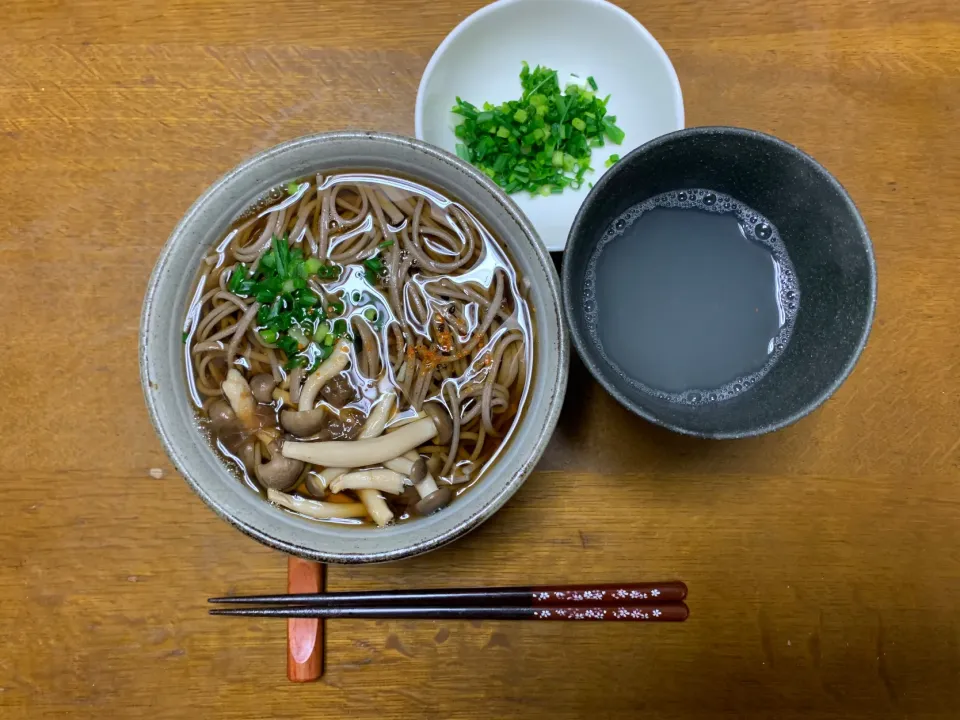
{"x": 355, "y": 456}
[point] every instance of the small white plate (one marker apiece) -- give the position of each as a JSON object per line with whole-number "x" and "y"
{"x": 481, "y": 59}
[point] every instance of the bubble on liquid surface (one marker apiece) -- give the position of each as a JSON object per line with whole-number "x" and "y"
{"x": 763, "y": 231}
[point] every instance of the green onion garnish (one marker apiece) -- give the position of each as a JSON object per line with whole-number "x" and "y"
{"x": 614, "y": 133}
{"x": 612, "y": 159}
{"x": 370, "y": 314}
{"x": 373, "y": 268}
{"x": 293, "y": 188}
{"x": 540, "y": 143}
{"x": 290, "y": 312}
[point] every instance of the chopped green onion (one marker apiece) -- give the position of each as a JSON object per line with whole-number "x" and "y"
{"x": 370, "y": 314}
{"x": 289, "y": 345}
{"x": 340, "y": 328}
{"x": 288, "y": 308}
{"x": 293, "y": 188}
{"x": 321, "y": 332}
{"x": 297, "y": 334}
{"x": 612, "y": 159}
{"x": 540, "y": 143}
{"x": 337, "y": 307}
{"x": 296, "y": 361}
{"x": 614, "y": 133}
{"x": 185, "y": 336}
{"x": 329, "y": 340}
{"x": 385, "y": 244}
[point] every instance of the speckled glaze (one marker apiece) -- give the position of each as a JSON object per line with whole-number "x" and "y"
{"x": 163, "y": 376}
{"x": 825, "y": 238}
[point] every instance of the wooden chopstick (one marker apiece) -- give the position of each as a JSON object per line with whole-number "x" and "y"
{"x": 667, "y": 612}
{"x": 632, "y": 594}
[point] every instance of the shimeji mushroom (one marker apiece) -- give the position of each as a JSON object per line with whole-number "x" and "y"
{"x": 432, "y": 498}
{"x": 221, "y": 415}
{"x": 315, "y": 508}
{"x": 330, "y": 367}
{"x": 363, "y": 452}
{"x": 303, "y": 423}
{"x": 280, "y": 473}
{"x": 372, "y": 428}
{"x": 386, "y": 481}
{"x": 307, "y": 419}
{"x": 262, "y": 387}
{"x": 241, "y": 398}
{"x": 377, "y": 507}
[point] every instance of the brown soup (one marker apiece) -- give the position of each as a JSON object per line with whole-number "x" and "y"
{"x": 359, "y": 347}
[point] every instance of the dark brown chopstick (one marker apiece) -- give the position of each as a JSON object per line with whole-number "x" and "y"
{"x": 669, "y": 612}
{"x": 633, "y": 594}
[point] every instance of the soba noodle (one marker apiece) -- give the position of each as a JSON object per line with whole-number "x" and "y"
{"x": 359, "y": 347}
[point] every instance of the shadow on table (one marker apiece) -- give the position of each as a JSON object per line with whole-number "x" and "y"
{"x": 596, "y": 434}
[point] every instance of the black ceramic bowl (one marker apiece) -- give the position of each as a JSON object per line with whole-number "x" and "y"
{"x": 825, "y": 238}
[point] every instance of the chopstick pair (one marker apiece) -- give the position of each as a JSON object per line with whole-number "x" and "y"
{"x": 643, "y": 602}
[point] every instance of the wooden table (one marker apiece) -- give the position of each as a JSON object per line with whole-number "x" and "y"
{"x": 823, "y": 561}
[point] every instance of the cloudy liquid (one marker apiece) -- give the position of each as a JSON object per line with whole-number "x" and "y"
{"x": 690, "y": 296}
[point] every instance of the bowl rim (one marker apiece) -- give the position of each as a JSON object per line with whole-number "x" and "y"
{"x": 492, "y": 8}
{"x": 419, "y": 112}
{"x": 581, "y": 344}
{"x": 536, "y": 447}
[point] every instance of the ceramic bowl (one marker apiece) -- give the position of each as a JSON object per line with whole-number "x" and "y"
{"x": 825, "y": 238}
{"x": 480, "y": 61}
{"x": 162, "y": 364}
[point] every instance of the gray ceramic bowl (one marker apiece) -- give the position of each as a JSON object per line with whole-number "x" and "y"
{"x": 824, "y": 236}
{"x": 161, "y": 350}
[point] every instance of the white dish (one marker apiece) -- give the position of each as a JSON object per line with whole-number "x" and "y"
{"x": 481, "y": 59}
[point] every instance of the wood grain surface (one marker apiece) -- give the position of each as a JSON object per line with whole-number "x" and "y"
{"x": 823, "y": 561}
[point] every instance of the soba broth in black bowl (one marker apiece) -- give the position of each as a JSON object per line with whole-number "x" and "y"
{"x": 719, "y": 282}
